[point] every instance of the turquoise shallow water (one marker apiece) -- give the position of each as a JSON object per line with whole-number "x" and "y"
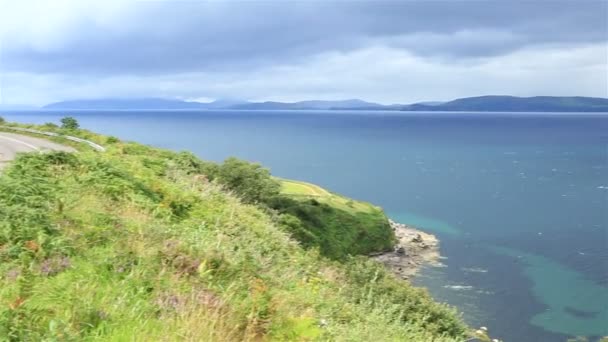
{"x": 575, "y": 312}
{"x": 519, "y": 201}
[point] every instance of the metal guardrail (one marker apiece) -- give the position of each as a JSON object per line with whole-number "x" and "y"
{"x": 52, "y": 134}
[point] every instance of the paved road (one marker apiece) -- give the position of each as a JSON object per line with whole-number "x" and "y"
{"x": 11, "y": 144}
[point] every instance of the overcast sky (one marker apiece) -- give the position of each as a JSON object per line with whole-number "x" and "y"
{"x": 388, "y": 51}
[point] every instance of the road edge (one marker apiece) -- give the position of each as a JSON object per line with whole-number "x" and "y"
{"x": 93, "y": 145}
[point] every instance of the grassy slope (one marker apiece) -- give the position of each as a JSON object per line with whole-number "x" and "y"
{"x": 307, "y": 190}
{"x": 339, "y": 226}
{"x": 127, "y": 246}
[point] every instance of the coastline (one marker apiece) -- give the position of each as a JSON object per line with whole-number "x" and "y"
{"x": 413, "y": 250}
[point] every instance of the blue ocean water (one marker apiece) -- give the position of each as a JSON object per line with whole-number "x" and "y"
{"x": 519, "y": 201}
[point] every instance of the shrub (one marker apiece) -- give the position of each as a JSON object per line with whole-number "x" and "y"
{"x": 189, "y": 163}
{"x": 69, "y": 123}
{"x": 50, "y": 125}
{"x": 112, "y": 140}
{"x": 337, "y": 233}
{"x": 250, "y": 181}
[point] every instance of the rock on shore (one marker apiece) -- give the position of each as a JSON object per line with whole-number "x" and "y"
{"x": 413, "y": 250}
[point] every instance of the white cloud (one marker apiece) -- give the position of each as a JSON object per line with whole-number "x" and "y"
{"x": 377, "y": 73}
{"x": 46, "y": 25}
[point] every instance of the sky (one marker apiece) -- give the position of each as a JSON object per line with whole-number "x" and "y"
{"x": 386, "y": 51}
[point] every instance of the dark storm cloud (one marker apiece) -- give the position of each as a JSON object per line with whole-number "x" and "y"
{"x": 191, "y": 36}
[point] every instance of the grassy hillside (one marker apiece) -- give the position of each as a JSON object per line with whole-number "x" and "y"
{"x": 339, "y": 226}
{"x": 145, "y": 244}
{"x": 303, "y": 190}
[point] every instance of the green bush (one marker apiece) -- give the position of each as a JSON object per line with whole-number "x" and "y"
{"x": 251, "y": 182}
{"x": 50, "y": 126}
{"x": 192, "y": 165}
{"x": 112, "y": 140}
{"x": 69, "y": 123}
{"x": 337, "y": 233}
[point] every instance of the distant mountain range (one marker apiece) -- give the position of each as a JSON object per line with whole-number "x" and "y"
{"x": 157, "y": 103}
{"x": 492, "y": 103}
{"x": 314, "y": 104}
{"x": 145, "y": 103}
{"x": 517, "y": 104}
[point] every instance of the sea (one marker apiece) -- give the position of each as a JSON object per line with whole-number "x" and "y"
{"x": 519, "y": 201}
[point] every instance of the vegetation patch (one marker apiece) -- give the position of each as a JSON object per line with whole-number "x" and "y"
{"x": 339, "y": 226}
{"x": 147, "y": 244}
{"x": 311, "y": 191}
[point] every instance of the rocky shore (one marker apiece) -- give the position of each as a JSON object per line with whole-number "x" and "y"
{"x": 413, "y": 250}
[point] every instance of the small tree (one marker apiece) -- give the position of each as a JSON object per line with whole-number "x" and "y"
{"x": 2, "y": 121}
{"x": 69, "y": 123}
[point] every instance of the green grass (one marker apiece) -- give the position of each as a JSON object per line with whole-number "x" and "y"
{"x": 132, "y": 245}
{"x": 292, "y": 187}
{"x": 337, "y": 225}
{"x": 308, "y": 190}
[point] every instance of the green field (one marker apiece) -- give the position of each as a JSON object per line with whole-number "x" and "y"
{"x": 308, "y": 190}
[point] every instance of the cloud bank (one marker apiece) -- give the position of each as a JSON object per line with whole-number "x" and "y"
{"x": 386, "y": 51}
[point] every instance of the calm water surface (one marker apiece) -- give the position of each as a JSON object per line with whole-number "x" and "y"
{"x": 519, "y": 201}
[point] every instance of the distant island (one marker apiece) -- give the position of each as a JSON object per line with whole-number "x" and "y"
{"x": 517, "y": 104}
{"x": 159, "y": 103}
{"x": 490, "y": 103}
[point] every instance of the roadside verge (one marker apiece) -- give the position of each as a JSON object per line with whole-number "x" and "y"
{"x": 93, "y": 145}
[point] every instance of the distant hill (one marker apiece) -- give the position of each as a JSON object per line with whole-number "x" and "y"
{"x": 223, "y": 104}
{"x": 491, "y": 103}
{"x": 494, "y": 103}
{"x": 158, "y": 103}
{"x": 146, "y": 103}
{"x": 313, "y": 104}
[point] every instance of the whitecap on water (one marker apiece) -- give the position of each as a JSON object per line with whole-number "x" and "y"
{"x": 459, "y": 287}
{"x": 474, "y": 269}
{"x": 486, "y": 292}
